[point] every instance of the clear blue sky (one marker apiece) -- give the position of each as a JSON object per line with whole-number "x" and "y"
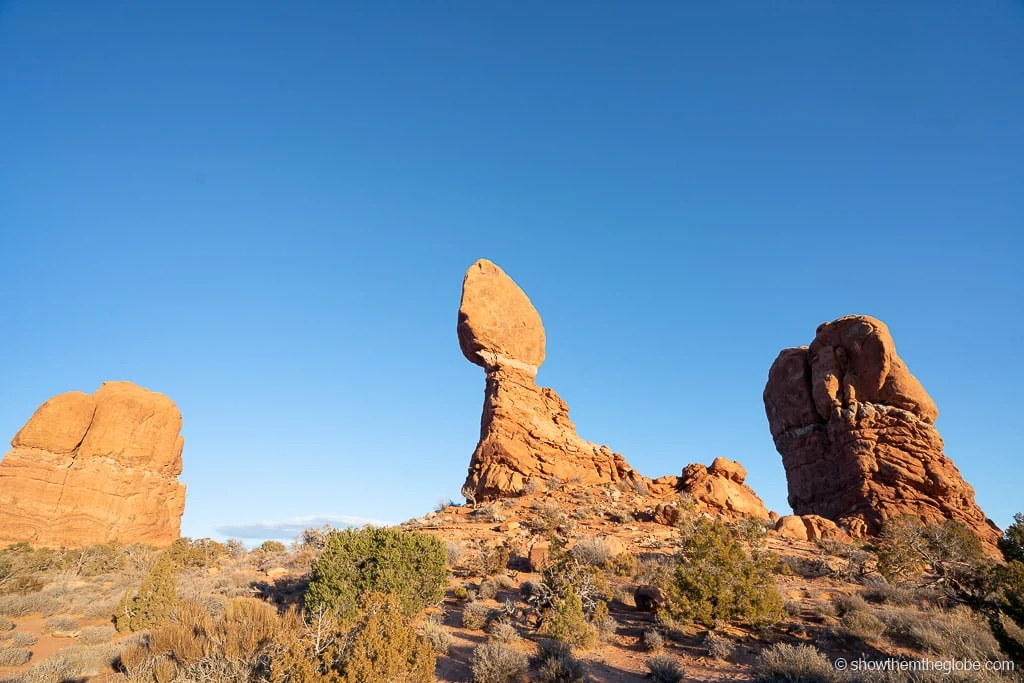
{"x": 264, "y": 210}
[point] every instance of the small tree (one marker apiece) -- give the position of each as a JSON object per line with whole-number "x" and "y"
{"x": 156, "y": 599}
{"x": 384, "y": 646}
{"x": 944, "y": 555}
{"x": 1012, "y": 542}
{"x": 569, "y": 623}
{"x": 409, "y": 565}
{"x": 713, "y": 578}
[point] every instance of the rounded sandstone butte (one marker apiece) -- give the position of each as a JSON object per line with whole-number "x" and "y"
{"x": 91, "y": 469}
{"x": 59, "y": 425}
{"x": 136, "y": 427}
{"x": 857, "y": 437}
{"x": 497, "y": 322}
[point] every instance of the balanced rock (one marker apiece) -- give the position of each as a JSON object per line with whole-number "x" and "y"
{"x": 857, "y": 437}
{"x": 525, "y": 431}
{"x": 91, "y": 469}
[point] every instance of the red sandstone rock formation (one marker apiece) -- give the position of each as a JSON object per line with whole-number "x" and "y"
{"x": 856, "y": 434}
{"x": 91, "y": 469}
{"x": 525, "y": 431}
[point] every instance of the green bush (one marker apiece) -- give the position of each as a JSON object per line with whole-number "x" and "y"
{"x": 568, "y": 622}
{"x": 186, "y": 553}
{"x": 273, "y": 547}
{"x": 1010, "y": 582}
{"x": 714, "y": 579}
{"x": 1012, "y": 542}
{"x": 354, "y": 562}
{"x": 155, "y": 601}
{"x": 385, "y": 647}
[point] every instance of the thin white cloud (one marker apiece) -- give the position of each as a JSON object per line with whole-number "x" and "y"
{"x": 287, "y": 529}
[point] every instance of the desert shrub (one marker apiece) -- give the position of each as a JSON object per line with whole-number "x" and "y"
{"x": 718, "y": 647}
{"x": 714, "y": 578}
{"x": 652, "y": 640}
{"x": 186, "y": 553}
{"x": 6, "y": 624}
{"x": 653, "y": 569}
{"x": 453, "y": 552}
{"x": 555, "y": 663}
{"x": 487, "y": 590}
{"x": 62, "y": 624}
{"x": 71, "y": 664}
{"x": 14, "y": 656}
{"x": 592, "y": 551}
{"x": 897, "y": 594}
{"x": 504, "y": 632}
{"x": 273, "y": 547}
{"x": 20, "y": 605}
{"x": 461, "y": 593}
{"x": 752, "y": 530}
{"x": 568, "y": 622}
{"x": 862, "y": 624}
{"x": 384, "y": 647}
{"x": 946, "y": 555}
{"x": 850, "y": 603}
{"x": 497, "y": 663}
{"x": 782, "y": 663}
{"x": 564, "y": 574}
{"x": 665, "y": 669}
{"x": 156, "y": 598}
{"x": 24, "y": 639}
{"x": 246, "y": 629}
{"x": 1009, "y": 588}
{"x": 354, "y": 562}
{"x": 504, "y": 581}
{"x": 532, "y": 487}
{"x": 857, "y": 560}
{"x": 958, "y": 633}
{"x": 1012, "y": 542}
{"x": 96, "y": 635}
{"x": 193, "y": 646}
{"x": 489, "y": 561}
{"x": 475, "y": 616}
{"x": 623, "y": 564}
{"x": 489, "y": 513}
{"x": 308, "y": 650}
{"x": 437, "y": 635}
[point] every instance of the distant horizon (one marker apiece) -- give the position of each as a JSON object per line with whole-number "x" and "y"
{"x": 265, "y": 212}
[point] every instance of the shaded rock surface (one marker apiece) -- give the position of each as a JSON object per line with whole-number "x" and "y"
{"x": 91, "y": 469}
{"x": 857, "y": 437}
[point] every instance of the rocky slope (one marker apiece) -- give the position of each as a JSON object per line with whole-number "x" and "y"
{"x": 91, "y": 469}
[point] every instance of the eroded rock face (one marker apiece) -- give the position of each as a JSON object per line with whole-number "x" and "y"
{"x": 718, "y": 489}
{"x": 525, "y": 431}
{"x": 91, "y": 469}
{"x": 857, "y": 437}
